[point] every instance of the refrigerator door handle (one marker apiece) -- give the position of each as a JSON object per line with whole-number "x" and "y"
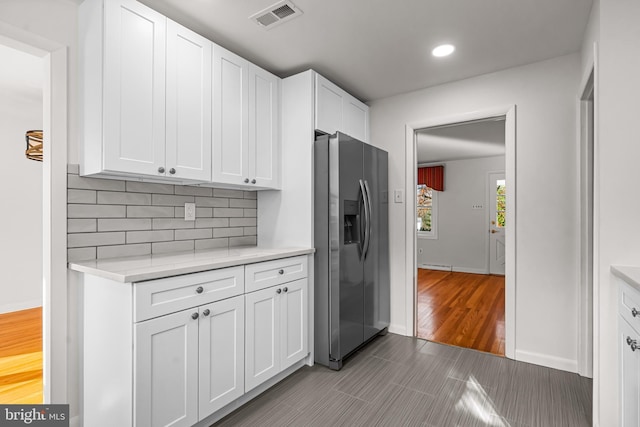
{"x": 367, "y": 217}
{"x": 368, "y": 230}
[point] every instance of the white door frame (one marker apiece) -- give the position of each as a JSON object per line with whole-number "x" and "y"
{"x": 509, "y": 112}
{"x": 54, "y": 229}
{"x": 490, "y": 198}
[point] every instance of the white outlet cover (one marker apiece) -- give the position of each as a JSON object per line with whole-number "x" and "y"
{"x": 397, "y": 196}
{"x": 189, "y": 211}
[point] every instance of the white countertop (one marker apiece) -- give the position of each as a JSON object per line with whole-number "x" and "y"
{"x": 631, "y": 275}
{"x": 148, "y": 267}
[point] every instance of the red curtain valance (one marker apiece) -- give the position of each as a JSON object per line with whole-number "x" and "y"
{"x": 432, "y": 177}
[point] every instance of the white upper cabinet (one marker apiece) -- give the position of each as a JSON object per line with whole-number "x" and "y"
{"x": 336, "y": 110}
{"x": 246, "y": 123}
{"x": 188, "y": 141}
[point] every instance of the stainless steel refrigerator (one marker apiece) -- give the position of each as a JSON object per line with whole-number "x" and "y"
{"x": 352, "y": 246}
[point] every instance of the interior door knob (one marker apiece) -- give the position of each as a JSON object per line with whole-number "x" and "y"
{"x": 493, "y": 231}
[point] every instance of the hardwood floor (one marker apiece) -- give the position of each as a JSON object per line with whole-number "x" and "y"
{"x": 21, "y": 357}
{"x": 461, "y": 309}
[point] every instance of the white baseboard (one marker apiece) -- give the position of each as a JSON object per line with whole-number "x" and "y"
{"x": 18, "y": 306}
{"x": 453, "y": 268}
{"x": 569, "y": 365}
{"x": 435, "y": 267}
{"x": 398, "y": 329}
{"x": 470, "y": 270}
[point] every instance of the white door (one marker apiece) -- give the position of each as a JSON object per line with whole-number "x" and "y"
{"x": 497, "y": 224}
{"x": 134, "y": 88}
{"x": 262, "y": 343}
{"x": 293, "y": 341}
{"x": 230, "y": 118}
{"x": 188, "y": 143}
{"x": 629, "y": 375}
{"x": 329, "y": 99}
{"x": 264, "y": 149}
{"x": 221, "y": 354}
{"x": 166, "y": 370}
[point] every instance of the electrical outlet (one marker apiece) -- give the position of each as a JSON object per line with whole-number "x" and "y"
{"x": 189, "y": 211}
{"x": 397, "y": 196}
{"x": 419, "y": 250}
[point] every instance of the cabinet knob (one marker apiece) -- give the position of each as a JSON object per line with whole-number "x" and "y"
{"x": 278, "y": 291}
{"x": 194, "y": 316}
{"x": 161, "y": 169}
{"x": 280, "y": 272}
{"x": 633, "y": 344}
{"x": 285, "y": 289}
{"x": 246, "y": 180}
{"x": 635, "y": 312}
{"x": 172, "y": 171}
{"x": 199, "y": 289}
{"x": 253, "y": 181}
{"x": 206, "y": 312}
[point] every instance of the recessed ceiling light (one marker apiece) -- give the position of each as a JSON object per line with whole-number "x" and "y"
{"x": 443, "y": 50}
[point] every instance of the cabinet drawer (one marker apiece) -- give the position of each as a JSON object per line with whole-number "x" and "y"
{"x": 158, "y": 297}
{"x": 270, "y": 273}
{"x": 630, "y": 304}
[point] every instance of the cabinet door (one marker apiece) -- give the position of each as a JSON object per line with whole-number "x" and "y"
{"x": 230, "y": 117}
{"x": 166, "y": 370}
{"x": 264, "y": 128}
{"x": 355, "y": 121}
{"x": 262, "y": 331}
{"x": 329, "y": 110}
{"x": 629, "y": 375}
{"x": 221, "y": 354}
{"x": 188, "y": 143}
{"x": 134, "y": 88}
{"x": 293, "y": 340}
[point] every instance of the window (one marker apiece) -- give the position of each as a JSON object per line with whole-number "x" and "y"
{"x": 426, "y": 212}
{"x": 501, "y": 202}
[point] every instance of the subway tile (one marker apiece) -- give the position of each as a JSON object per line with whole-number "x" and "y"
{"x": 150, "y": 212}
{"x": 228, "y": 212}
{"x": 186, "y": 190}
{"x": 96, "y": 211}
{"x": 95, "y": 239}
{"x": 121, "y": 198}
{"x": 250, "y": 231}
{"x": 171, "y": 223}
{"x": 149, "y": 236}
{"x": 81, "y": 196}
{"x": 251, "y": 213}
{"x": 192, "y": 234}
{"x": 123, "y": 250}
{"x": 243, "y": 203}
{"x": 200, "y": 212}
{"x": 243, "y": 241}
{"x": 251, "y": 195}
{"x": 124, "y": 224}
{"x": 211, "y": 222}
{"x": 165, "y": 247}
{"x": 88, "y": 225}
{"x": 212, "y": 243}
{"x": 170, "y": 200}
{"x": 80, "y": 254}
{"x": 212, "y": 202}
{"x": 85, "y": 183}
{"x": 73, "y": 169}
{"x": 148, "y": 187}
{"x": 243, "y": 222}
{"x": 232, "y": 194}
{"x": 228, "y": 232}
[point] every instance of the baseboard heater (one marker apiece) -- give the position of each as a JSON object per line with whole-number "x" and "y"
{"x": 436, "y": 267}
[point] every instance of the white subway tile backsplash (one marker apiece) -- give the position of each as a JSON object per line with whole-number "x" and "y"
{"x": 113, "y": 218}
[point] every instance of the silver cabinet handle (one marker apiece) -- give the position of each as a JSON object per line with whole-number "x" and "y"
{"x": 206, "y": 312}
{"x": 285, "y": 289}
{"x": 199, "y": 289}
{"x": 634, "y": 312}
{"x": 161, "y": 169}
{"x": 281, "y": 272}
{"x": 253, "y": 181}
{"x": 246, "y": 180}
{"x": 172, "y": 171}
{"x": 194, "y": 316}
{"x": 633, "y": 344}
{"x": 278, "y": 291}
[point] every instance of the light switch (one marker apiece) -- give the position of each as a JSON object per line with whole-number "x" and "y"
{"x": 397, "y": 196}
{"x": 189, "y": 211}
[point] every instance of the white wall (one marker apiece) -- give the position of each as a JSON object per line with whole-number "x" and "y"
{"x": 462, "y": 231}
{"x": 21, "y": 79}
{"x": 547, "y": 252}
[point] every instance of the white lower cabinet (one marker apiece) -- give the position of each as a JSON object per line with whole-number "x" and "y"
{"x": 276, "y": 330}
{"x": 629, "y": 354}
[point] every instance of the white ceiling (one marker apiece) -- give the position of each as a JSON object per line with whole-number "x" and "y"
{"x": 461, "y": 141}
{"x": 378, "y": 48}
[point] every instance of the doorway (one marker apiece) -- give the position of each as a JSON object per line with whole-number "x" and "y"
{"x": 508, "y": 115}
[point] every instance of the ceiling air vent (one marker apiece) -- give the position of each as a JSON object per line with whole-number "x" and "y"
{"x": 276, "y": 14}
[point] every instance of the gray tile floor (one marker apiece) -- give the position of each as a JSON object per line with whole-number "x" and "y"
{"x": 403, "y": 381}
